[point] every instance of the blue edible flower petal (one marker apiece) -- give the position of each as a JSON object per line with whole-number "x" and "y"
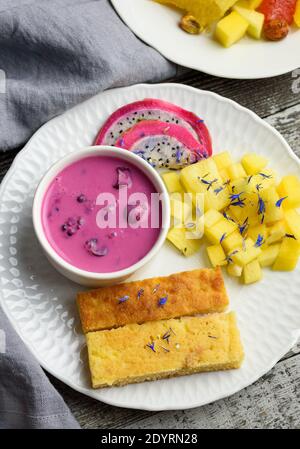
{"x": 151, "y": 346}
{"x": 123, "y": 299}
{"x": 162, "y": 301}
{"x": 259, "y": 241}
{"x": 280, "y": 201}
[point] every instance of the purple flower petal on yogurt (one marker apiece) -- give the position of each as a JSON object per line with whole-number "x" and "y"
{"x": 92, "y": 247}
{"x": 124, "y": 178}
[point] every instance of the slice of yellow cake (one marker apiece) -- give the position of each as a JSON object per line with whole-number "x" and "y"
{"x": 180, "y": 294}
{"x": 161, "y": 349}
{"x": 205, "y": 11}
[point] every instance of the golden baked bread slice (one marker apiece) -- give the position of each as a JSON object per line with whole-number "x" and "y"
{"x": 205, "y": 11}
{"x": 188, "y": 293}
{"x": 160, "y": 349}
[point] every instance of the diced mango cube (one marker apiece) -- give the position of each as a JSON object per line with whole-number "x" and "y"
{"x": 290, "y": 187}
{"x": 216, "y": 255}
{"x": 276, "y": 232}
{"x": 215, "y": 198}
{"x": 231, "y": 29}
{"x": 252, "y": 272}
{"x": 255, "y": 20}
{"x": 236, "y": 171}
{"x": 265, "y": 179}
{"x": 234, "y": 270}
{"x": 273, "y": 212}
{"x": 187, "y": 246}
{"x": 250, "y": 4}
{"x": 297, "y": 14}
{"x": 254, "y": 231}
{"x": 232, "y": 241}
{"x": 288, "y": 255}
{"x": 292, "y": 219}
{"x": 253, "y": 163}
{"x": 172, "y": 182}
{"x": 224, "y": 174}
{"x": 223, "y": 160}
{"x": 180, "y": 210}
{"x": 246, "y": 253}
{"x": 211, "y": 217}
{"x": 268, "y": 255}
{"x": 217, "y": 233}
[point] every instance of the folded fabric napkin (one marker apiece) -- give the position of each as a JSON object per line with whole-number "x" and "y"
{"x": 55, "y": 53}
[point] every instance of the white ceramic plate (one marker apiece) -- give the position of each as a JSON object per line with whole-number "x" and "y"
{"x": 157, "y": 25}
{"x": 40, "y": 303}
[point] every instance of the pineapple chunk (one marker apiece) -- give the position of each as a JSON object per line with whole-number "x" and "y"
{"x": 232, "y": 241}
{"x": 297, "y": 14}
{"x": 265, "y": 179}
{"x": 211, "y": 217}
{"x": 253, "y": 163}
{"x": 180, "y": 210}
{"x": 236, "y": 171}
{"x": 288, "y": 255}
{"x": 292, "y": 219}
{"x": 249, "y": 4}
{"x": 252, "y": 272}
{"x": 290, "y": 187}
{"x": 272, "y": 212}
{"x": 178, "y": 236}
{"x": 224, "y": 174}
{"x": 172, "y": 182}
{"x": 268, "y": 255}
{"x": 206, "y": 12}
{"x": 246, "y": 254}
{"x": 216, "y": 234}
{"x": 276, "y": 232}
{"x": 255, "y": 20}
{"x": 234, "y": 270}
{"x": 254, "y": 231}
{"x": 223, "y": 160}
{"x": 231, "y": 29}
{"x": 216, "y": 255}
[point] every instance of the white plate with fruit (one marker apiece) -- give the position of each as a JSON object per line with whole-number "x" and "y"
{"x": 40, "y": 303}
{"x": 243, "y": 30}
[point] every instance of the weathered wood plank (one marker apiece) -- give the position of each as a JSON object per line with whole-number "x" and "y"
{"x": 263, "y": 96}
{"x": 272, "y": 402}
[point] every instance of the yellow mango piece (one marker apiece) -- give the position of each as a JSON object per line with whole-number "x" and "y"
{"x": 224, "y": 174}
{"x": 232, "y": 241}
{"x": 272, "y": 212}
{"x": 172, "y": 182}
{"x": 247, "y": 253}
{"x": 252, "y": 272}
{"x": 211, "y": 217}
{"x": 216, "y": 255}
{"x": 180, "y": 210}
{"x": 236, "y": 171}
{"x": 290, "y": 187}
{"x": 231, "y": 29}
{"x": 222, "y": 160}
{"x": 254, "y": 231}
{"x": 187, "y": 246}
{"x": 249, "y": 4}
{"x": 253, "y": 163}
{"x": 268, "y": 255}
{"x": 276, "y": 232}
{"x": 234, "y": 270}
{"x": 292, "y": 219}
{"x": 255, "y": 20}
{"x": 288, "y": 255}
{"x": 297, "y": 14}
{"x": 217, "y": 233}
{"x": 265, "y": 179}
{"x": 206, "y": 12}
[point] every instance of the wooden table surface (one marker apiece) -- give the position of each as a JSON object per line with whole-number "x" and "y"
{"x": 274, "y": 400}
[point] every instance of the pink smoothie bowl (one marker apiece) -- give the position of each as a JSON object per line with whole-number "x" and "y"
{"x": 66, "y": 268}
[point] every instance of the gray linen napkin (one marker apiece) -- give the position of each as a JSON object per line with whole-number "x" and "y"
{"x": 55, "y": 53}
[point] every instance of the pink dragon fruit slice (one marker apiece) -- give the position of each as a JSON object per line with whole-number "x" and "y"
{"x": 162, "y": 144}
{"x": 153, "y": 109}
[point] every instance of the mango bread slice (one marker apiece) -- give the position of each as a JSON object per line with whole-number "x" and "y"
{"x": 161, "y": 349}
{"x": 180, "y": 294}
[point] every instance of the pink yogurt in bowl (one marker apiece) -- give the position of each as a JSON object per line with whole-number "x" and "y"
{"x": 100, "y": 214}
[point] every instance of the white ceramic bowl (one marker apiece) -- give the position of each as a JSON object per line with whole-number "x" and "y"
{"x": 84, "y": 277}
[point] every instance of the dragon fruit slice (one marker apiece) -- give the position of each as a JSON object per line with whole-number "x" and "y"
{"x": 153, "y": 109}
{"x": 162, "y": 144}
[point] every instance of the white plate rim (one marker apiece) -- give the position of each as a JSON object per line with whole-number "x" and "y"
{"x": 294, "y": 333}
{"x": 118, "y": 5}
